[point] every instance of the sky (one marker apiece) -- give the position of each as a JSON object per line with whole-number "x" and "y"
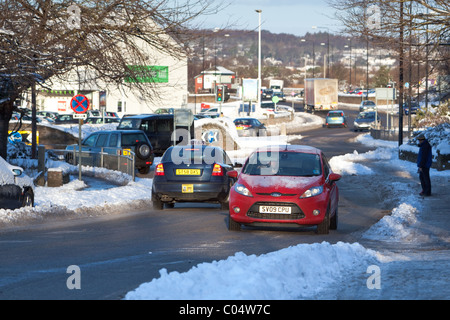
{"x": 278, "y": 16}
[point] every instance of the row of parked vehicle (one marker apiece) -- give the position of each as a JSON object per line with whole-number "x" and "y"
{"x": 52, "y": 117}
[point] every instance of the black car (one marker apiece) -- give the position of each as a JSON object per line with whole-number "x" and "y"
{"x": 113, "y": 142}
{"x": 159, "y": 129}
{"x": 16, "y": 188}
{"x": 101, "y": 120}
{"x": 192, "y": 173}
{"x": 250, "y": 127}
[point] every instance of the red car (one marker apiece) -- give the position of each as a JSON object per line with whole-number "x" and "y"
{"x": 285, "y": 185}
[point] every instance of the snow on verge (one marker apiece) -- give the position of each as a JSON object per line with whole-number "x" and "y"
{"x": 297, "y": 272}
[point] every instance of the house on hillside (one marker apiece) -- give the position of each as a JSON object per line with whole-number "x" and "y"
{"x": 208, "y": 79}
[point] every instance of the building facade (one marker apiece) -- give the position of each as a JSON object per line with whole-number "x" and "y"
{"x": 165, "y": 74}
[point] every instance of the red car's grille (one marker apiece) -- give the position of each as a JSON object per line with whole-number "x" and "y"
{"x": 280, "y": 195}
{"x": 296, "y": 212}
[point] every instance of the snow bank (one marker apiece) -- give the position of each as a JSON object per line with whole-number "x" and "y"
{"x": 298, "y": 272}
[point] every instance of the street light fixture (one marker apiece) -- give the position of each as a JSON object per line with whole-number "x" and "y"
{"x": 314, "y": 56}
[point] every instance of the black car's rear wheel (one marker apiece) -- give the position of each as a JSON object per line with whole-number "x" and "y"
{"x": 144, "y": 170}
{"x": 28, "y": 199}
{"x": 157, "y": 203}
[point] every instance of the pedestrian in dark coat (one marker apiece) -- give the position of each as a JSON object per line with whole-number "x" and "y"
{"x": 424, "y": 160}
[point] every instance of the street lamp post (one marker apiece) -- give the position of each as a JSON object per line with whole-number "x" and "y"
{"x": 259, "y": 57}
{"x": 328, "y": 47}
{"x": 325, "y": 63}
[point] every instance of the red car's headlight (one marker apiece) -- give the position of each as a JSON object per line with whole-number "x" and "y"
{"x": 241, "y": 189}
{"x": 314, "y": 191}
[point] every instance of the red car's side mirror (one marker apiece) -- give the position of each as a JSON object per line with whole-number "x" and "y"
{"x": 232, "y": 174}
{"x": 334, "y": 177}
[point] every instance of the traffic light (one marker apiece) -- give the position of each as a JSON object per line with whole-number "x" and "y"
{"x": 219, "y": 94}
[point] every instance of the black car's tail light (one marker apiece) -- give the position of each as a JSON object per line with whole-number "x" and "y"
{"x": 159, "y": 170}
{"x": 217, "y": 170}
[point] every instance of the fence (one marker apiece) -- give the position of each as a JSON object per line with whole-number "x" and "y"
{"x": 109, "y": 158}
{"x": 386, "y": 134}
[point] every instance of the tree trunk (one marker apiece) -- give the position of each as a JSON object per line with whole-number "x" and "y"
{"x": 5, "y": 116}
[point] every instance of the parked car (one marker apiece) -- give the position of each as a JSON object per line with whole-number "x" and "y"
{"x": 212, "y": 112}
{"x": 414, "y": 107}
{"x": 365, "y": 120}
{"x": 93, "y": 113}
{"x": 249, "y": 127}
{"x": 159, "y": 129}
{"x": 285, "y": 185}
{"x": 112, "y": 142}
{"x": 164, "y": 111}
{"x": 48, "y": 114}
{"x": 16, "y": 188}
{"x": 336, "y": 118}
{"x": 111, "y": 114}
{"x": 39, "y": 119}
{"x": 65, "y": 119}
{"x": 201, "y": 116}
{"x": 100, "y": 120}
{"x": 367, "y": 105}
{"x": 192, "y": 173}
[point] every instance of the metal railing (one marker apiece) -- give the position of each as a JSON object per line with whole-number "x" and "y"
{"x": 109, "y": 158}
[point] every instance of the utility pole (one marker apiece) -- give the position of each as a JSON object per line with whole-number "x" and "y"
{"x": 400, "y": 80}
{"x": 259, "y": 58}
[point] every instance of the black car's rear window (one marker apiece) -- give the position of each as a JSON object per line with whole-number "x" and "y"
{"x": 194, "y": 155}
{"x": 132, "y": 139}
{"x": 283, "y": 164}
{"x": 129, "y": 123}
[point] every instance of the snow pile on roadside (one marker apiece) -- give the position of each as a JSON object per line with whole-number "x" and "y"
{"x": 72, "y": 196}
{"x": 298, "y": 272}
{"x": 348, "y": 163}
{"x": 76, "y": 199}
{"x": 398, "y": 226}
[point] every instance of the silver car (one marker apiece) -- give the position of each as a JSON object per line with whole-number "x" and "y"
{"x": 366, "y": 120}
{"x": 367, "y": 105}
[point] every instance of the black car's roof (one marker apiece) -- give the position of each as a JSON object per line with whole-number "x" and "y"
{"x": 120, "y": 131}
{"x": 149, "y": 116}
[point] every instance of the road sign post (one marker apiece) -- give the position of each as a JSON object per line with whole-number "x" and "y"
{"x": 80, "y": 105}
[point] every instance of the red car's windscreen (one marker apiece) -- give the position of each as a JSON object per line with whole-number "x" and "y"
{"x": 283, "y": 164}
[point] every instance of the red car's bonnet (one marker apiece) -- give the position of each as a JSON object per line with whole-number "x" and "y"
{"x": 285, "y": 185}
